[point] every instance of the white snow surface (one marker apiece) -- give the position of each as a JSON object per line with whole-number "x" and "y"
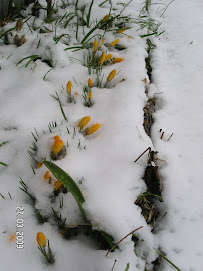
{"x": 177, "y": 72}
{"x": 102, "y": 164}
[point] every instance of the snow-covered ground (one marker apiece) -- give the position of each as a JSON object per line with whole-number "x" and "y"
{"x": 101, "y": 164}
{"x": 177, "y": 72}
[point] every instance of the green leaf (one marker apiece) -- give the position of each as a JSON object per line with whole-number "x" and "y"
{"x": 69, "y": 183}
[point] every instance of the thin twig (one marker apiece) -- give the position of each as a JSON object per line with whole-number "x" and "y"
{"x": 122, "y": 240}
{"x": 2, "y": 196}
{"x": 162, "y": 135}
{"x": 163, "y": 216}
{"x": 142, "y": 154}
{"x": 113, "y": 265}
{"x": 170, "y": 137}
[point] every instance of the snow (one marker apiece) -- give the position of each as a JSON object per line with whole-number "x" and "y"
{"x": 178, "y": 61}
{"x": 101, "y": 164}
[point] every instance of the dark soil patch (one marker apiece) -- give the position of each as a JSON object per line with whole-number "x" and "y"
{"x": 97, "y": 236}
{"x": 149, "y": 67}
{"x": 152, "y": 180}
{"x": 149, "y": 109}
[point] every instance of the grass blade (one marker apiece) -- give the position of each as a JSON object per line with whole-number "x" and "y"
{"x": 59, "y": 101}
{"x": 103, "y": 3}
{"x": 3, "y": 164}
{"x": 89, "y": 13}
{"x": 164, "y": 257}
{"x": 147, "y": 35}
{"x": 3, "y": 143}
{"x": 6, "y": 32}
{"x": 32, "y": 58}
{"x": 74, "y": 47}
{"x": 67, "y": 22}
{"x": 76, "y": 7}
{"x": 127, "y": 267}
{"x": 77, "y": 26}
{"x": 91, "y": 31}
